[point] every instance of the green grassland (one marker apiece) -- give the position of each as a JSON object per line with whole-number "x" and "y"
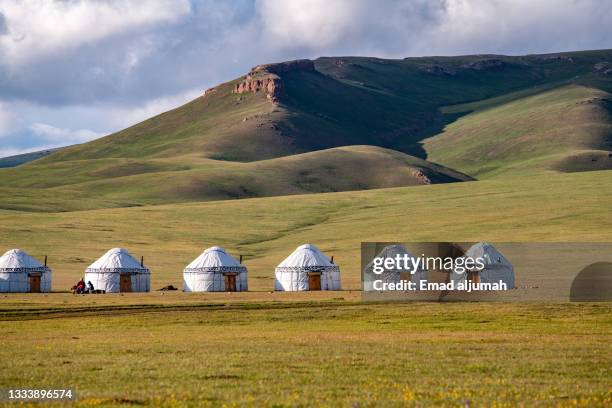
{"x": 547, "y": 207}
{"x": 129, "y": 182}
{"x": 336, "y": 354}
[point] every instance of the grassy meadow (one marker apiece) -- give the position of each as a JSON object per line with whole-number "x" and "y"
{"x": 545, "y": 207}
{"x": 326, "y": 354}
{"x": 263, "y": 348}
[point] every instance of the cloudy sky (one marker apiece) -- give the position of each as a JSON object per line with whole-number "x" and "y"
{"x": 71, "y": 70}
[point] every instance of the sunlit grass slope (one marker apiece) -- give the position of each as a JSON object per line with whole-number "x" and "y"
{"x": 556, "y": 207}
{"x": 568, "y": 128}
{"x": 130, "y": 182}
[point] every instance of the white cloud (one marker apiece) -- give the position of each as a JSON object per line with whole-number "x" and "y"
{"x": 309, "y": 23}
{"x": 393, "y": 28}
{"x": 55, "y": 136}
{"x": 37, "y": 28}
{"x": 519, "y": 27}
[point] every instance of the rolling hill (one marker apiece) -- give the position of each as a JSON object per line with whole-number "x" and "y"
{"x": 300, "y": 106}
{"x": 129, "y": 182}
{"x": 305, "y": 126}
{"x": 568, "y": 128}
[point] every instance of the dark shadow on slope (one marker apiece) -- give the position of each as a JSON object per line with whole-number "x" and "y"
{"x": 593, "y": 160}
{"x": 414, "y": 145}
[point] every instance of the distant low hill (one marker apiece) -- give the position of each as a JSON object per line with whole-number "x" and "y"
{"x": 16, "y": 160}
{"x": 481, "y": 115}
{"x": 126, "y": 182}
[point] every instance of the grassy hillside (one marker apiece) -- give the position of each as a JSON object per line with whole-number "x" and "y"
{"x": 557, "y": 207}
{"x": 554, "y": 129}
{"x": 342, "y": 101}
{"x": 129, "y": 182}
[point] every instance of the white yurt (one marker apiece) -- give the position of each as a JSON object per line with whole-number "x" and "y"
{"x": 393, "y": 275}
{"x": 19, "y": 272}
{"x": 496, "y": 267}
{"x": 307, "y": 268}
{"x": 215, "y": 271}
{"x": 118, "y": 271}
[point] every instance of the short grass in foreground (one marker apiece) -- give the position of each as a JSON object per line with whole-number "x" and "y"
{"x": 341, "y": 354}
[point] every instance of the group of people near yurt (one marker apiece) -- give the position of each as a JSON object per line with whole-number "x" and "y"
{"x": 306, "y": 269}
{"x": 118, "y": 271}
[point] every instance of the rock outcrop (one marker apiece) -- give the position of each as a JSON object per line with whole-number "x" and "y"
{"x": 267, "y": 78}
{"x": 210, "y": 91}
{"x": 421, "y": 177}
{"x": 270, "y": 85}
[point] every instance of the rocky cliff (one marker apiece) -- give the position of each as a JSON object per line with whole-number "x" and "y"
{"x": 267, "y": 78}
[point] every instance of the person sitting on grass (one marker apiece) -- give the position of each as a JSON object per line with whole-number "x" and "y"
{"x": 90, "y": 287}
{"x": 80, "y": 287}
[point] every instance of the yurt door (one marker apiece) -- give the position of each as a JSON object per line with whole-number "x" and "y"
{"x": 314, "y": 281}
{"x": 35, "y": 283}
{"x": 125, "y": 283}
{"x": 474, "y": 276}
{"x": 230, "y": 283}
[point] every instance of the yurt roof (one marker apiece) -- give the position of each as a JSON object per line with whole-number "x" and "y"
{"x": 17, "y": 260}
{"x": 306, "y": 255}
{"x": 488, "y": 253}
{"x": 117, "y": 260}
{"x": 213, "y": 257}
